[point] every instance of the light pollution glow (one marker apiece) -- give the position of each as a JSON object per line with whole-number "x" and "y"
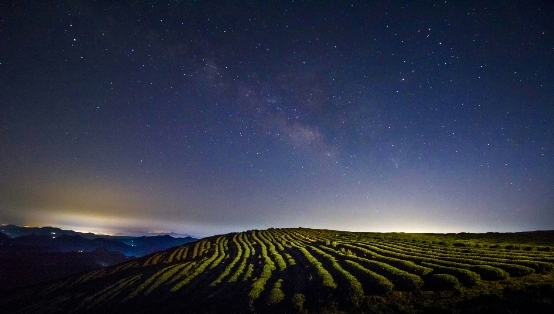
{"x": 115, "y": 208}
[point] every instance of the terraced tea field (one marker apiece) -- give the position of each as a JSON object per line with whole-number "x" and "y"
{"x": 298, "y": 270}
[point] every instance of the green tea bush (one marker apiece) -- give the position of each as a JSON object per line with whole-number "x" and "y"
{"x": 229, "y": 267}
{"x": 402, "y": 280}
{"x": 244, "y": 259}
{"x": 298, "y": 301}
{"x": 259, "y": 284}
{"x": 512, "y": 247}
{"x": 183, "y": 253}
{"x": 356, "y": 289}
{"x": 543, "y": 267}
{"x": 196, "y": 248}
{"x": 515, "y": 266}
{"x": 290, "y": 259}
{"x": 382, "y": 284}
{"x": 466, "y": 277}
{"x": 221, "y": 248}
{"x": 514, "y": 270}
{"x": 269, "y": 266}
{"x": 249, "y": 272}
{"x": 173, "y": 254}
{"x": 149, "y": 281}
{"x": 328, "y": 280}
{"x": 399, "y": 259}
{"x": 278, "y": 258}
{"x": 276, "y": 295}
{"x": 459, "y": 244}
{"x": 441, "y": 282}
{"x": 165, "y": 277}
{"x": 199, "y": 270}
{"x": 184, "y": 272}
{"x": 489, "y": 272}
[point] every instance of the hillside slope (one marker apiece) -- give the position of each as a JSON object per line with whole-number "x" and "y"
{"x": 305, "y": 270}
{"x": 20, "y": 267}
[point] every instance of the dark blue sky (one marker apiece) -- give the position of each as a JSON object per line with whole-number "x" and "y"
{"x": 205, "y": 118}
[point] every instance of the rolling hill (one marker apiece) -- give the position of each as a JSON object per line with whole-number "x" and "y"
{"x": 21, "y": 267}
{"x": 314, "y": 271}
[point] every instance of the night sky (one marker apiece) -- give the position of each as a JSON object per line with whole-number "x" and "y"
{"x": 202, "y": 117}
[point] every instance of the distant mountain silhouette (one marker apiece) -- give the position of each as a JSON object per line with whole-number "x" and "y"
{"x": 152, "y": 234}
{"x": 17, "y": 231}
{"x": 50, "y": 239}
{"x": 34, "y": 255}
{"x": 68, "y": 243}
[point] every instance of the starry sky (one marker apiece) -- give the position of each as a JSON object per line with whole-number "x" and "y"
{"x": 211, "y": 117}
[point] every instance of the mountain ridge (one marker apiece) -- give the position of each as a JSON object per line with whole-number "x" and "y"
{"x": 54, "y": 239}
